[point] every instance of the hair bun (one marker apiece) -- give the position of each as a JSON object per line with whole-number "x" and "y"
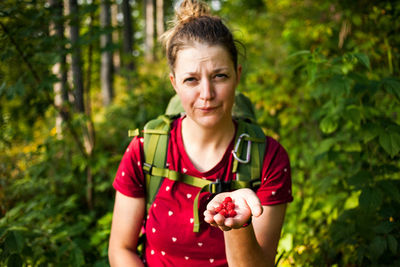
{"x": 188, "y": 10}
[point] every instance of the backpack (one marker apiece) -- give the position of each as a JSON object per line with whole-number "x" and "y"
{"x": 248, "y": 154}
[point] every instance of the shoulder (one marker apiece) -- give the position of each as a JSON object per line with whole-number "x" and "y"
{"x": 276, "y": 175}
{"x": 275, "y": 149}
{"x": 135, "y": 146}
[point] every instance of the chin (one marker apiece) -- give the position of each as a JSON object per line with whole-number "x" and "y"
{"x": 209, "y": 121}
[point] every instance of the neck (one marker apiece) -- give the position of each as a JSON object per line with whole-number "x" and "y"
{"x": 206, "y": 146}
{"x": 197, "y": 135}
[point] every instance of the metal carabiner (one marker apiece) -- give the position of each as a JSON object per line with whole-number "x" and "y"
{"x": 237, "y": 147}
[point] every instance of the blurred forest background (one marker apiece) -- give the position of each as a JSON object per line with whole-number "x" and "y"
{"x": 75, "y": 75}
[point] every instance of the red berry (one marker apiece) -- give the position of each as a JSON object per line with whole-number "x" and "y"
{"x": 224, "y": 213}
{"x": 228, "y": 199}
{"x": 218, "y": 209}
{"x": 230, "y": 206}
{"x": 232, "y": 213}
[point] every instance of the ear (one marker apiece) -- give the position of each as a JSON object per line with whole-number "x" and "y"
{"x": 238, "y": 73}
{"x": 173, "y": 81}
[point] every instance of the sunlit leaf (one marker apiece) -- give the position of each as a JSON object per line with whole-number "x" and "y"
{"x": 328, "y": 125}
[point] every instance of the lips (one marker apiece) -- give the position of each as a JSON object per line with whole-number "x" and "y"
{"x": 207, "y": 109}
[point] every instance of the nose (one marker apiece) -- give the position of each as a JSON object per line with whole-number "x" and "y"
{"x": 206, "y": 90}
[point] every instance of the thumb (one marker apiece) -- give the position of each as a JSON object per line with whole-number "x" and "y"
{"x": 255, "y": 205}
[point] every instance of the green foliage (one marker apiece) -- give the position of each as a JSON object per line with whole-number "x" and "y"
{"x": 324, "y": 76}
{"x": 331, "y": 98}
{"x": 47, "y": 220}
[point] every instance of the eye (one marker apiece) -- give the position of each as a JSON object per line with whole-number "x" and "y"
{"x": 189, "y": 80}
{"x": 221, "y": 76}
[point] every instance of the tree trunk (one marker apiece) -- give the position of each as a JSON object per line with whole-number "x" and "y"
{"x": 77, "y": 79}
{"x": 106, "y": 54}
{"x": 160, "y": 17}
{"x": 115, "y": 36}
{"x": 59, "y": 69}
{"x": 76, "y": 60}
{"x": 127, "y": 36}
{"x": 149, "y": 38}
{"x": 88, "y": 130}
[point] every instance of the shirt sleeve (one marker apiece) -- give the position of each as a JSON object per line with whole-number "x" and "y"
{"x": 276, "y": 183}
{"x": 129, "y": 179}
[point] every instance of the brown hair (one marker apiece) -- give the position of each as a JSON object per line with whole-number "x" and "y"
{"x": 194, "y": 23}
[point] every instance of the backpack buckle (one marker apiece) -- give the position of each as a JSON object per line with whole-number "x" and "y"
{"x": 219, "y": 186}
{"x": 147, "y": 168}
{"x": 237, "y": 147}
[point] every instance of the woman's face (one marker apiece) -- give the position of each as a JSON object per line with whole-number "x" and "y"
{"x": 205, "y": 80}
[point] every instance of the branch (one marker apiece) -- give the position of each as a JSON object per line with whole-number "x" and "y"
{"x": 49, "y": 99}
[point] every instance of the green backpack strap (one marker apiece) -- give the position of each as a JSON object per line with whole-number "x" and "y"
{"x": 156, "y": 136}
{"x": 248, "y": 170}
{"x": 250, "y": 145}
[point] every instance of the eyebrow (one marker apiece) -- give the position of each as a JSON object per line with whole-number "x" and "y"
{"x": 214, "y": 71}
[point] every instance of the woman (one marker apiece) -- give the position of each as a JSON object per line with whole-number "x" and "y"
{"x": 202, "y": 57}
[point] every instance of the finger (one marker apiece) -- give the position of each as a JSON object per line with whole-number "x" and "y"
{"x": 208, "y": 219}
{"x": 214, "y": 224}
{"x": 225, "y": 228}
{"x": 229, "y": 222}
{"x": 219, "y": 219}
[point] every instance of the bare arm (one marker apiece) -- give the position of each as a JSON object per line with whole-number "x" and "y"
{"x": 256, "y": 244}
{"x": 126, "y": 225}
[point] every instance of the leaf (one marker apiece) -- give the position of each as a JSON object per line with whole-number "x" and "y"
{"x": 371, "y": 198}
{"x": 390, "y": 142}
{"x": 384, "y": 227}
{"x": 300, "y": 53}
{"x": 377, "y": 246}
{"x": 286, "y": 242}
{"x": 363, "y": 59}
{"x": 77, "y": 258}
{"x": 14, "y": 261}
{"x": 14, "y": 241}
{"x": 353, "y": 114}
{"x": 2, "y": 88}
{"x": 101, "y": 263}
{"x": 392, "y": 86}
{"x": 390, "y": 190}
{"x": 339, "y": 85}
{"x": 360, "y": 178}
{"x": 351, "y": 201}
{"x": 370, "y": 131}
{"x": 328, "y": 125}
{"x": 392, "y": 243}
{"x": 325, "y": 146}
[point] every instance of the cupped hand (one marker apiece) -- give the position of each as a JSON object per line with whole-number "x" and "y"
{"x": 246, "y": 204}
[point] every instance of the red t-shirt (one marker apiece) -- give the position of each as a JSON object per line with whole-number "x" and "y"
{"x": 170, "y": 240}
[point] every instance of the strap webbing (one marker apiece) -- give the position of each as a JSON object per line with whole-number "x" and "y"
{"x": 251, "y": 170}
{"x": 156, "y": 146}
{"x": 205, "y": 185}
{"x": 156, "y": 136}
